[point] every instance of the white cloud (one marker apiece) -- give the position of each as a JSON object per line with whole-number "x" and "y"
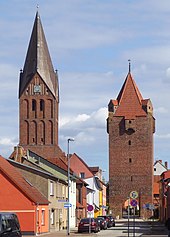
{"x": 163, "y": 136}
{"x": 161, "y": 110}
{"x": 168, "y": 73}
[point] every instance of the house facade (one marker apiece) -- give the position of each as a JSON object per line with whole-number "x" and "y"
{"x": 165, "y": 196}
{"x": 54, "y": 187}
{"x": 159, "y": 168}
{"x": 20, "y": 196}
{"x": 94, "y": 189}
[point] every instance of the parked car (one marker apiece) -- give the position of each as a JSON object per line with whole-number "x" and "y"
{"x": 110, "y": 221}
{"x": 88, "y": 223}
{"x": 102, "y": 222}
{"x": 9, "y": 225}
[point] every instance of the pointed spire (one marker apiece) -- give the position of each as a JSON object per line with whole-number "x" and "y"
{"x": 129, "y": 99}
{"x": 38, "y": 60}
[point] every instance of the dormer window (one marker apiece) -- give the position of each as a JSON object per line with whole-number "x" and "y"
{"x": 82, "y": 175}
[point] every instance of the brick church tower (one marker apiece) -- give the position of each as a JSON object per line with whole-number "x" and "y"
{"x": 38, "y": 97}
{"x": 130, "y": 126}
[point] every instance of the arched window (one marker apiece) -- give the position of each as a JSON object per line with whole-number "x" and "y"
{"x": 33, "y": 105}
{"x": 41, "y": 105}
{"x": 34, "y": 108}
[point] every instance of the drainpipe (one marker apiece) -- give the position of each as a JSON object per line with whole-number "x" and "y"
{"x": 36, "y": 220}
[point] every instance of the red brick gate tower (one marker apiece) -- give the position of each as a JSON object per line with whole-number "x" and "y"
{"x": 130, "y": 126}
{"x": 38, "y": 97}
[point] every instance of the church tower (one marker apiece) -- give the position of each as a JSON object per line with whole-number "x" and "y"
{"x": 130, "y": 126}
{"x": 38, "y": 97}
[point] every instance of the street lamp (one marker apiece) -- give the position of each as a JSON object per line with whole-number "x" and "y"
{"x": 68, "y": 174}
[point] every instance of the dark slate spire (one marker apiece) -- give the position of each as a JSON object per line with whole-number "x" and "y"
{"x": 38, "y": 60}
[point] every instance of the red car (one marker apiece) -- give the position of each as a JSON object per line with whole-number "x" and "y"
{"x": 88, "y": 225}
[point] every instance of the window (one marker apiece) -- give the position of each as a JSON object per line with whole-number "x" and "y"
{"x": 42, "y": 217}
{"x": 33, "y": 105}
{"x": 37, "y": 216}
{"x": 51, "y": 188}
{"x": 41, "y": 105}
{"x": 131, "y": 178}
{"x": 52, "y": 216}
{"x": 129, "y": 142}
{"x": 130, "y": 160}
{"x": 154, "y": 169}
{"x": 82, "y": 175}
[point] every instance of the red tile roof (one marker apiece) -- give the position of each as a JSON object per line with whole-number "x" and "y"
{"x": 12, "y": 174}
{"x": 130, "y": 100}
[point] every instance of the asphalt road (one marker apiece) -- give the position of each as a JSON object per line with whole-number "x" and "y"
{"x": 135, "y": 229}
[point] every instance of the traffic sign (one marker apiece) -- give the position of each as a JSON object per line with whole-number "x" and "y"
{"x": 67, "y": 205}
{"x": 90, "y": 207}
{"x": 133, "y": 203}
{"x": 134, "y": 194}
{"x": 62, "y": 200}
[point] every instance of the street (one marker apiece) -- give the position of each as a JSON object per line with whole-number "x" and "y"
{"x": 139, "y": 228}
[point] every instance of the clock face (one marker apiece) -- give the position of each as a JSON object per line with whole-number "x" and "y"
{"x": 37, "y": 89}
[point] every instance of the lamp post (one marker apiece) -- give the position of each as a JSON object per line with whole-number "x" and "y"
{"x": 68, "y": 175}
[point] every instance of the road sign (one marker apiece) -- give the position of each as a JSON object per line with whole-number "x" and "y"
{"x": 133, "y": 203}
{"x": 62, "y": 200}
{"x": 90, "y": 207}
{"x": 134, "y": 194}
{"x": 67, "y": 205}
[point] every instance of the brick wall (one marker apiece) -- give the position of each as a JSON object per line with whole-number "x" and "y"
{"x": 130, "y": 160}
{"x": 39, "y": 119}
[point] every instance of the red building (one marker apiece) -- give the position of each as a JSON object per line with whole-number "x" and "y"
{"x": 18, "y": 195}
{"x": 165, "y": 196}
{"x": 130, "y": 126}
{"x": 39, "y": 98}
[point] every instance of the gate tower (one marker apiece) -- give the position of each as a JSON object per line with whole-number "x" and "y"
{"x": 130, "y": 126}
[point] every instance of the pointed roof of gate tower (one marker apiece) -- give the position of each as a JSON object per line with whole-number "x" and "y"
{"x": 129, "y": 100}
{"x": 38, "y": 60}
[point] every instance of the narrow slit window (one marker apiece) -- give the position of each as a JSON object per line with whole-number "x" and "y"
{"x": 33, "y": 105}
{"x": 130, "y": 160}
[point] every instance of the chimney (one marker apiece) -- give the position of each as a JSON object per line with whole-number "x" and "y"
{"x": 166, "y": 164}
{"x": 19, "y": 152}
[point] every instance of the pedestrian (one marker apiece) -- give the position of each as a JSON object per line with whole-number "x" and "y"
{"x": 168, "y": 226}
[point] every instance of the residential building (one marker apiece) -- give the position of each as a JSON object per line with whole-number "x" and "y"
{"x": 20, "y": 196}
{"x": 81, "y": 200}
{"x": 54, "y": 186}
{"x": 94, "y": 187}
{"x": 159, "y": 168}
{"x": 102, "y": 193}
{"x": 165, "y": 196}
{"x": 130, "y": 126}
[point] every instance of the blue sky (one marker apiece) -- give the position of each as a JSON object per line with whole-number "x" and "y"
{"x": 90, "y": 42}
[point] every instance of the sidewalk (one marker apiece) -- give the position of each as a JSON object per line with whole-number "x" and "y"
{"x": 56, "y": 233}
